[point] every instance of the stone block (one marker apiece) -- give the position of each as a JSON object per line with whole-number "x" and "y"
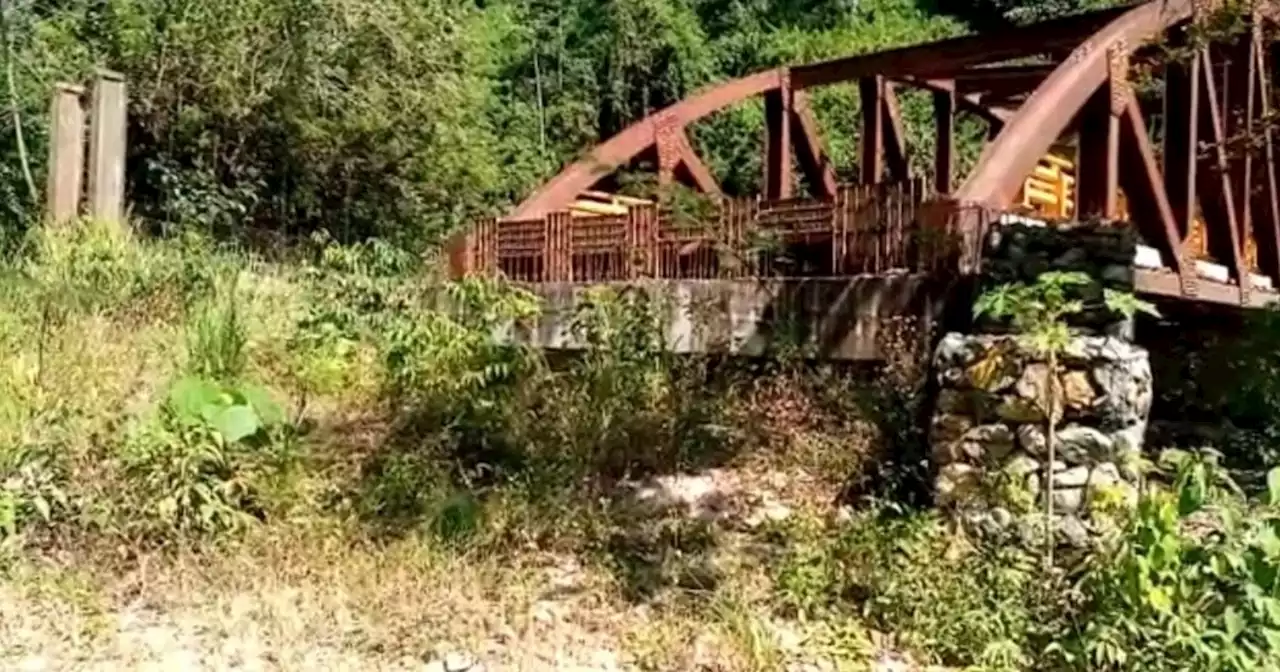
{"x": 1077, "y": 391}
{"x": 1075, "y": 477}
{"x": 991, "y": 442}
{"x": 1078, "y": 444}
{"x": 1018, "y": 411}
{"x": 1032, "y": 440}
{"x": 1068, "y": 500}
{"x": 957, "y": 482}
{"x": 1021, "y": 465}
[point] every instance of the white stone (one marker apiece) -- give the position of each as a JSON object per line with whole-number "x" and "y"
{"x": 1068, "y": 500}
{"x": 1075, "y": 477}
{"x": 458, "y": 662}
{"x": 956, "y": 481}
{"x": 1130, "y": 439}
{"x": 1021, "y": 465}
{"x": 1070, "y": 530}
{"x": 1147, "y": 257}
{"x": 1032, "y": 439}
{"x": 1211, "y": 271}
{"x": 1078, "y": 444}
{"x": 1104, "y": 475}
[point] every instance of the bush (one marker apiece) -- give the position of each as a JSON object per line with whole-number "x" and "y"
{"x": 904, "y": 575}
{"x": 199, "y": 465}
{"x": 33, "y": 484}
{"x": 1193, "y": 583}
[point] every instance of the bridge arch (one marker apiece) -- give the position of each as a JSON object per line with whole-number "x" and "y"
{"x": 1068, "y": 79}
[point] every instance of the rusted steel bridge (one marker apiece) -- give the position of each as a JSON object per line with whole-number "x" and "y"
{"x": 1169, "y": 133}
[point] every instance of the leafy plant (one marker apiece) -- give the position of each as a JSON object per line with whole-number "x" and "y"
{"x": 1194, "y": 583}
{"x": 197, "y": 466}
{"x": 216, "y": 339}
{"x": 1039, "y": 314}
{"x": 32, "y": 489}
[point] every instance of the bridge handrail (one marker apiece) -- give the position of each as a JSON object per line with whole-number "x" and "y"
{"x": 864, "y": 229}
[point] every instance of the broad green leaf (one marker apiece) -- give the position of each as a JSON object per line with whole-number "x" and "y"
{"x": 1192, "y": 495}
{"x": 269, "y": 412}
{"x": 1234, "y": 622}
{"x": 236, "y": 422}
{"x": 1273, "y": 487}
{"x": 190, "y": 396}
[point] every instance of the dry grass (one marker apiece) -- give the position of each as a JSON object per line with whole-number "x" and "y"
{"x": 290, "y": 600}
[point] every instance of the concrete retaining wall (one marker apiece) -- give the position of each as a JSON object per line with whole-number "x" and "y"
{"x": 836, "y": 318}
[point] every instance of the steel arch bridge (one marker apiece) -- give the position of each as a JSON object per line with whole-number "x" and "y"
{"x": 1161, "y": 157}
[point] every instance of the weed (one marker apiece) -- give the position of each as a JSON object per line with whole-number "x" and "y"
{"x": 197, "y": 464}
{"x": 216, "y": 339}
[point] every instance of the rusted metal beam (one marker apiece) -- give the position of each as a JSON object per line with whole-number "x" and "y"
{"x": 1181, "y": 126}
{"x": 1152, "y": 211}
{"x": 872, "y": 161}
{"x": 895, "y": 138}
{"x": 1222, "y": 226}
{"x": 1031, "y": 132}
{"x": 778, "y": 180}
{"x": 1239, "y": 126}
{"x": 1164, "y": 283}
{"x": 1267, "y": 200}
{"x": 959, "y": 52}
{"x": 698, "y": 173}
{"x": 617, "y": 151}
{"x": 1003, "y": 82}
{"x": 819, "y": 174}
{"x": 944, "y": 115}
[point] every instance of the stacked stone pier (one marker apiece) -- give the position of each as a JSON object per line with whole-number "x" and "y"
{"x": 989, "y": 434}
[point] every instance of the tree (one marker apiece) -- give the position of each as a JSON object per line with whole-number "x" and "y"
{"x": 1039, "y": 313}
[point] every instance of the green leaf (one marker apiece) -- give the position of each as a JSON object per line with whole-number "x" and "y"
{"x": 1273, "y": 487}
{"x": 267, "y": 409}
{"x": 191, "y": 396}
{"x": 1192, "y": 494}
{"x": 1234, "y": 621}
{"x": 236, "y": 422}
{"x": 1159, "y": 600}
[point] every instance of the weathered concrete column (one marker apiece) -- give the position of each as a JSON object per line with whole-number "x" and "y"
{"x": 66, "y": 154}
{"x": 107, "y": 146}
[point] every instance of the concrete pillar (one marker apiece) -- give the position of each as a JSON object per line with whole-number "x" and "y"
{"x": 66, "y": 154}
{"x": 107, "y": 147}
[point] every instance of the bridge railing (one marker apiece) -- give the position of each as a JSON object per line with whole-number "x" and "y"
{"x": 864, "y": 230}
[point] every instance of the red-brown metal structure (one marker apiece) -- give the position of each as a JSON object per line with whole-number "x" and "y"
{"x": 1201, "y": 188}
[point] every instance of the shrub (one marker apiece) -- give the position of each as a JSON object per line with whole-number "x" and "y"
{"x": 216, "y": 338}
{"x": 1193, "y": 583}
{"x": 199, "y": 464}
{"x": 453, "y": 361}
{"x": 32, "y": 489}
{"x": 903, "y": 575}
